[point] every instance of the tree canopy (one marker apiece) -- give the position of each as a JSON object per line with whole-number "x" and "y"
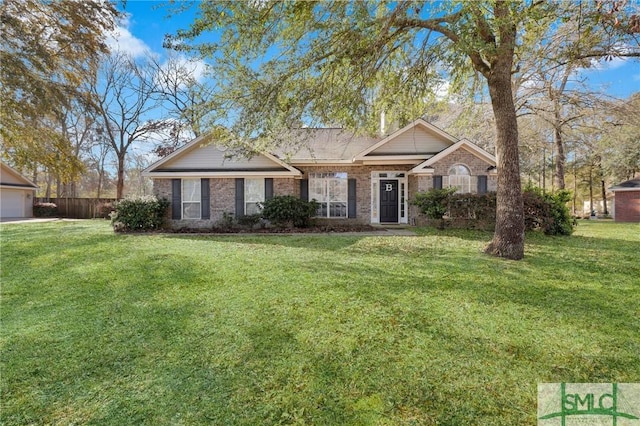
{"x": 335, "y": 62}
{"x": 50, "y": 51}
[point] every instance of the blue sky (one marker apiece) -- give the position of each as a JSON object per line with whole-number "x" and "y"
{"x": 148, "y": 23}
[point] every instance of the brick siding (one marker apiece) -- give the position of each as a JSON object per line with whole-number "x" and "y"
{"x": 222, "y": 190}
{"x": 362, "y": 175}
{"x": 627, "y": 206}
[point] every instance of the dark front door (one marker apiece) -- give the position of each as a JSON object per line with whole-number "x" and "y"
{"x": 389, "y": 201}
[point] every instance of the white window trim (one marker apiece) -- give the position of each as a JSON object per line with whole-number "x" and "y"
{"x": 183, "y": 202}
{"x": 447, "y": 183}
{"x": 327, "y": 201}
{"x": 375, "y": 196}
{"x": 246, "y": 200}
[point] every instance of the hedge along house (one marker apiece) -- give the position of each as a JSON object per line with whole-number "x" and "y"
{"x": 354, "y": 178}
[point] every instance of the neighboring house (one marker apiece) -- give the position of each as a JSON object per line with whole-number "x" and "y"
{"x": 598, "y": 207}
{"x": 16, "y": 194}
{"x": 627, "y": 200}
{"x": 354, "y": 178}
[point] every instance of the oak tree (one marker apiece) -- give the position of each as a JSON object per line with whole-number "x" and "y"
{"x": 49, "y": 50}
{"x": 286, "y": 62}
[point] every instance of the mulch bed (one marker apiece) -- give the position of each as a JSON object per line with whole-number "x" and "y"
{"x": 320, "y": 229}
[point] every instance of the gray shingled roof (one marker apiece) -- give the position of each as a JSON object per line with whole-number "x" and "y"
{"x": 324, "y": 144}
{"x": 632, "y": 183}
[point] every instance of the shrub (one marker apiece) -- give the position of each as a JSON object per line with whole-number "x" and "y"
{"x": 288, "y": 210}
{"x": 226, "y": 223}
{"x": 45, "y": 210}
{"x": 433, "y": 203}
{"x": 249, "y": 220}
{"x": 104, "y": 209}
{"x": 139, "y": 214}
{"x": 473, "y": 206}
{"x": 547, "y": 212}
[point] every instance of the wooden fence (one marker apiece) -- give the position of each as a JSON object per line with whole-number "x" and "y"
{"x": 80, "y": 208}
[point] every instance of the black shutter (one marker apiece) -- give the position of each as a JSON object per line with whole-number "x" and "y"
{"x": 304, "y": 190}
{"x": 204, "y": 199}
{"x": 482, "y": 184}
{"x": 268, "y": 188}
{"x": 239, "y": 197}
{"x": 176, "y": 199}
{"x": 351, "y": 198}
{"x": 437, "y": 182}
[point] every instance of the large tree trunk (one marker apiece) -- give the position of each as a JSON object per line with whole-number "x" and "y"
{"x": 604, "y": 197}
{"x": 508, "y": 239}
{"x": 560, "y": 159}
{"x": 591, "y": 210}
{"x": 120, "y": 184}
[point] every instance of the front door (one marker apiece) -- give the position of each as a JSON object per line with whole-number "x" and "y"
{"x": 389, "y": 201}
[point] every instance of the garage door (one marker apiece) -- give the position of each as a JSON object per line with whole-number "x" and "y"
{"x": 11, "y": 203}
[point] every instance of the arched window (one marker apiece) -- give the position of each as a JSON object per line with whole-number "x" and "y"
{"x": 460, "y": 178}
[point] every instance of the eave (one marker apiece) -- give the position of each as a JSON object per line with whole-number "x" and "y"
{"x": 18, "y": 186}
{"x": 614, "y": 189}
{"x": 315, "y": 162}
{"x": 227, "y": 174}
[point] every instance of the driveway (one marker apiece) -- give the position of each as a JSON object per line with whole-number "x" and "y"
{"x": 30, "y": 219}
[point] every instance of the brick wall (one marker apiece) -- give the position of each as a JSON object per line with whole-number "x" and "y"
{"x": 464, "y": 157}
{"x": 222, "y": 190}
{"x": 222, "y": 198}
{"x": 286, "y": 186}
{"x": 476, "y": 166}
{"x": 362, "y": 175}
{"x": 627, "y": 206}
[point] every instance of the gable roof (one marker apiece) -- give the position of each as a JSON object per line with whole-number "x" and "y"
{"x": 417, "y": 143}
{"x": 628, "y": 185}
{"x": 417, "y": 139}
{"x": 201, "y": 157}
{"x": 11, "y": 178}
{"x": 474, "y": 149}
{"x": 323, "y": 145}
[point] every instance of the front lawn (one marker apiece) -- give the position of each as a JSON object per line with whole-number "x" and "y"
{"x": 111, "y": 329}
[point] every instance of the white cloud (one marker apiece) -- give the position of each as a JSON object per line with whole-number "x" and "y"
{"x": 122, "y": 40}
{"x": 606, "y": 65}
{"x": 442, "y": 90}
{"x": 194, "y": 67}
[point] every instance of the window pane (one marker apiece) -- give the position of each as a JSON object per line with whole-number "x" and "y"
{"x": 190, "y": 190}
{"x": 459, "y": 169}
{"x": 317, "y": 189}
{"x": 191, "y": 210}
{"x": 253, "y": 208}
{"x": 253, "y": 190}
{"x": 337, "y": 190}
{"x": 402, "y": 212}
{"x": 330, "y": 190}
{"x": 337, "y": 209}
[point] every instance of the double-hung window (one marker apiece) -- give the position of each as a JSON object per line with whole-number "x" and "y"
{"x": 253, "y": 195}
{"x": 191, "y": 198}
{"x": 330, "y": 190}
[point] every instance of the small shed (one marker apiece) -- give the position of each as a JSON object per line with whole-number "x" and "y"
{"x": 627, "y": 200}
{"x": 16, "y": 194}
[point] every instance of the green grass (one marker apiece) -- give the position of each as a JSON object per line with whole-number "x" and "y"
{"x": 108, "y": 329}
